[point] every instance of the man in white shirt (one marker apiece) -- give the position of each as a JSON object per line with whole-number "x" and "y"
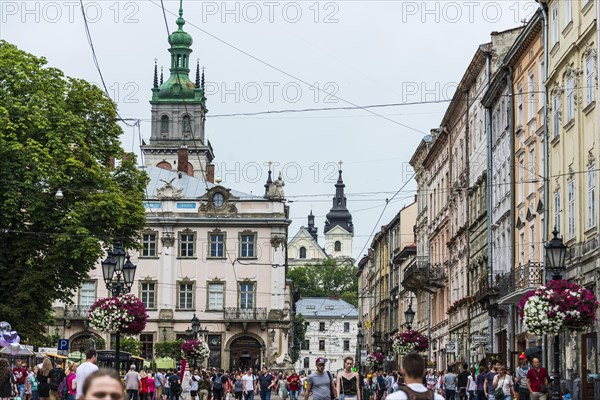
{"x": 249, "y": 385}
{"x": 413, "y": 369}
{"x": 85, "y": 369}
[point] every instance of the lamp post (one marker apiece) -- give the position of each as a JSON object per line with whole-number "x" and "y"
{"x": 118, "y": 273}
{"x": 555, "y": 266}
{"x": 359, "y": 343}
{"x": 164, "y": 332}
{"x": 409, "y": 316}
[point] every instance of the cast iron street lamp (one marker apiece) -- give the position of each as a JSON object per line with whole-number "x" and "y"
{"x": 556, "y": 252}
{"x": 409, "y": 316}
{"x": 118, "y": 272}
{"x": 164, "y": 332}
{"x": 359, "y": 343}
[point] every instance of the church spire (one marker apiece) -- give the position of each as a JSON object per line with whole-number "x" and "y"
{"x": 155, "y": 83}
{"x": 161, "y": 75}
{"x": 312, "y": 229}
{"x": 269, "y": 181}
{"x": 197, "y": 73}
{"x": 339, "y": 214}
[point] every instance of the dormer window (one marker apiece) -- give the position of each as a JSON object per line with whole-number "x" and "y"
{"x": 187, "y": 124}
{"x": 164, "y": 124}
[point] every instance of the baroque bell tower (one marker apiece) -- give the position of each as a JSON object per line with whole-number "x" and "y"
{"x": 178, "y": 111}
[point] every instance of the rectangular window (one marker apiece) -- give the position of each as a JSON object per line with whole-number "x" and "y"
{"x": 306, "y": 362}
{"x": 532, "y": 169}
{"x": 215, "y": 296}
{"x": 87, "y": 294}
{"x": 570, "y": 99}
{"x": 557, "y": 211}
{"x": 591, "y": 196}
{"x": 542, "y": 73}
{"x": 522, "y": 248}
{"x": 147, "y": 340}
{"x": 568, "y": 14}
{"x": 149, "y": 245}
{"x": 589, "y": 80}
{"x": 556, "y": 115}
{"x": 321, "y": 326}
{"x": 346, "y": 327}
{"x": 148, "y": 294}
{"x": 217, "y": 245}
{"x": 554, "y": 22}
{"x": 532, "y": 243}
{"x": 531, "y": 96}
{"x": 571, "y": 205}
{"x": 306, "y": 345}
{"x": 247, "y": 246}
{"x": 186, "y": 296}
{"x": 186, "y": 245}
{"x": 522, "y": 174}
{"x": 247, "y": 296}
{"x": 321, "y": 345}
{"x": 520, "y": 107}
{"x": 346, "y": 345}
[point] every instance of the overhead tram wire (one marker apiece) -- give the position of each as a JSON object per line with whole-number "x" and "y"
{"x": 97, "y": 65}
{"x": 289, "y": 74}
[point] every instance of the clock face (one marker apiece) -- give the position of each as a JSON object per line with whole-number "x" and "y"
{"x": 218, "y": 199}
{"x": 214, "y": 341}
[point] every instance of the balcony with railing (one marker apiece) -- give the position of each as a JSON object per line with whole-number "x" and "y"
{"x": 234, "y": 314}
{"x": 420, "y": 275}
{"x": 459, "y": 316}
{"x": 76, "y": 311}
{"x": 513, "y": 285}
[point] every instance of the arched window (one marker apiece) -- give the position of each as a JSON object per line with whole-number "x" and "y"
{"x": 187, "y": 124}
{"x": 302, "y": 252}
{"x": 337, "y": 246}
{"x": 164, "y": 124}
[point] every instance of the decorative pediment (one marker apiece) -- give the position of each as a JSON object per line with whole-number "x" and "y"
{"x": 520, "y": 224}
{"x": 530, "y": 214}
{"x": 218, "y": 200}
{"x": 540, "y": 207}
{"x": 168, "y": 191}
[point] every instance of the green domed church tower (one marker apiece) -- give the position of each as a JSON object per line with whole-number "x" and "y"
{"x": 178, "y": 110}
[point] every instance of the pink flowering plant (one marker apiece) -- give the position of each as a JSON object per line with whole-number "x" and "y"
{"x": 194, "y": 348}
{"x": 125, "y": 313}
{"x": 558, "y": 304}
{"x": 374, "y": 359}
{"x": 409, "y": 341}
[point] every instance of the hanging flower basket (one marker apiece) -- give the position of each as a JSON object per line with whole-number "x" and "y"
{"x": 125, "y": 313}
{"x": 558, "y": 304}
{"x": 194, "y": 348}
{"x": 409, "y": 341}
{"x": 374, "y": 359}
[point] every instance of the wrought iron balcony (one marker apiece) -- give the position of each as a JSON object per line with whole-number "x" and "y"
{"x": 244, "y": 314}
{"x": 516, "y": 283}
{"x": 423, "y": 276}
{"x": 76, "y": 311}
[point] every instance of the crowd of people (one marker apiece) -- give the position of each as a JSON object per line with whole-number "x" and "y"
{"x": 46, "y": 381}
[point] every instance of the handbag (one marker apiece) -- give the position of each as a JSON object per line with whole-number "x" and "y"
{"x": 499, "y": 392}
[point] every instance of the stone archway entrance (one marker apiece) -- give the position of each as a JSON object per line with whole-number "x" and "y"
{"x": 245, "y": 352}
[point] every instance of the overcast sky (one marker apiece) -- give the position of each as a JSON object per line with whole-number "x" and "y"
{"x": 264, "y": 55}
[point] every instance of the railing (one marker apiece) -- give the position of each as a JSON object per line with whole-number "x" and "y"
{"x": 76, "y": 311}
{"x": 245, "y": 314}
{"x": 421, "y": 274}
{"x": 523, "y": 277}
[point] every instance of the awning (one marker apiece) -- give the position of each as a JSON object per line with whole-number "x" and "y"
{"x": 56, "y": 356}
{"x": 23, "y": 351}
{"x": 165, "y": 363}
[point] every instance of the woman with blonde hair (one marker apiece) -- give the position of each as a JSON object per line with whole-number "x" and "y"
{"x": 44, "y": 379}
{"x": 71, "y": 382}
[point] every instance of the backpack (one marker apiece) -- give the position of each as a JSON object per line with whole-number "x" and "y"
{"x": 174, "y": 384}
{"x": 218, "y": 382}
{"x": 412, "y": 395}
{"x": 63, "y": 389}
{"x": 56, "y": 377}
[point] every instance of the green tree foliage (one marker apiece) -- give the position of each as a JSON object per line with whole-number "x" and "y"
{"x": 57, "y": 132}
{"x": 327, "y": 279}
{"x": 171, "y": 349}
{"x": 299, "y": 336}
{"x": 131, "y": 345}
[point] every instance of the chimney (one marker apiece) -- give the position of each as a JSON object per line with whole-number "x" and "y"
{"x": 182, "y": 159}
{"x": 210, "y": 173}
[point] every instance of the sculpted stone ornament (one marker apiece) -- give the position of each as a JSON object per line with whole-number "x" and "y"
{"x": 168, "y": 191}
{"x": 275, "y": 191}
{"x": 218, "y": 200}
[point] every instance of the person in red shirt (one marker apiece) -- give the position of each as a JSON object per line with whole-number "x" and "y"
{"x": 20, "y": 373}
{"x": 293, "y": 385}
{"x": 144, "y": 386}
{"x": 537, "y": 380}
